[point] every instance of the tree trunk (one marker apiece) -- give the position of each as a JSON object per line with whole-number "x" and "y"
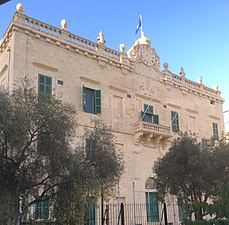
{"x": 18, "y": 219}
{"x": 7, "y": 207}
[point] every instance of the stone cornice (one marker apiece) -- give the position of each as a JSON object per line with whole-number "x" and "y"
{"x": 214, "y": 117}
{"x": 88, "y": 80}
{"x": 118, "y": 89}
{"x": 63, "y": 38}
{"x": 147, "y": 98}
{"x": 191, "y": 111}
{"x": 174, "y": 106}
{"x": 190, "y": 86}
{"x": 46, "y": 67}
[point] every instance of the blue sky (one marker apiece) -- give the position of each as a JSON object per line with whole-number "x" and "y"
{"x": 189, "y": 33}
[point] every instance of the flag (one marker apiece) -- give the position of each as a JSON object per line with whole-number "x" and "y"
{"x": 139, "y": 24}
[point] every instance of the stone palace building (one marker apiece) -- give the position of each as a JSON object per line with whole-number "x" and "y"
{"x": 145, "y": 105}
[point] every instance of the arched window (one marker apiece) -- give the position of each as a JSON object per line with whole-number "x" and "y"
{"x": 152, "y": 208}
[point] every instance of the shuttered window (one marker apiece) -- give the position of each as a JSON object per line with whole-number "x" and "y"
{"x": 90, "y": 146}
{"x": 174, "y": 121}
{"x": 148, "y": 116}
{"x": 91, "y": 100}
{"x": 152, "y": 207}
{"x": 215, "y": 131}
{"x": 181, "y": 210}
{"x": 91, "y": 213}
{"x": 42, "y": 210}
{"x": 44, "y": 85}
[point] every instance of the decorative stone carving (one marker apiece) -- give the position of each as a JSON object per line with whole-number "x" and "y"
{"x": 147, "y": 55}
{"x": 216, "y": 87}
{"x": 144, "y": 53}
{"x": 149, "y": 138}
{"x": 122, "y": 48}
{"x": 166, "y": 66}
{"x": 137, "y": 137}
{"x": 64, "y": 24}
{"x": 200, "y": 80}
{"x": 182, "y": 73}
{"x": 20, "y": 7}
{"x": 100, "y": 38}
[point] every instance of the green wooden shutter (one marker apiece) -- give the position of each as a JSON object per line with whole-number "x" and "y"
{"x": 152, "y": 208}
{"x": 89, "y": 149}
{"x": 84, "y": 100}
{"x": 204, "y": 143}
{"x": 91, "y": 213}
{"x": 181, "y": 210}
{"x": 156, "y": 119}
{"x": 215, "y": 131}
{"x": 97, "y": 101}
{"x": 44, "y": 85}
{"x": 174, "y": 121}
{"x": 148, "y": 207}
{"x": 48, "y": 85}
{"x": 42, "y": 210}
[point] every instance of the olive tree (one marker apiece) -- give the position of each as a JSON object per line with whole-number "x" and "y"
{"x": 35, "y": 150}
{"x": 188, "y": 171}
{"x": 99, "y": 168}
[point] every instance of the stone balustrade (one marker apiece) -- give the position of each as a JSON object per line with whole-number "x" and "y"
{"x": 22, "y": 21}
{"x": 151, "y": 132}
{"x": 150, "y": 127}
{"x": 41, "y": 27}
{"x": 191, "y": 85}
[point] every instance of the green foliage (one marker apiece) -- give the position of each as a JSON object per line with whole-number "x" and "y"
{"x": 92, "y": 177}
{"x": 24, "y": 171}
{"x": 219, "y": 209}
{"x": 188, "y": 171}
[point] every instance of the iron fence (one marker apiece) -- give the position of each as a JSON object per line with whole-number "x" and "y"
{"x": 114, "y": 214}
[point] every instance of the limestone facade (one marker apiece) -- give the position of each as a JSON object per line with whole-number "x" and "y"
{"x": 128, "y": 83}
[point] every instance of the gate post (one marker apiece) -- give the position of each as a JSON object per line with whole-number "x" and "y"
{"x": 165, "y": 214}
{"x": 122, "y": 214}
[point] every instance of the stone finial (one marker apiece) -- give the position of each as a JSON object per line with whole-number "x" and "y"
{"x": 101, "y": 39}
{"x": 166, "y": 66}
{"x": 200, "y": 80}
{"x": 216, "y": 87}
{"x": 64, "y": 24}
{"x": 182, "y": 73}
{"x": 122, "y": 48}
{"x": 20, "y": 7}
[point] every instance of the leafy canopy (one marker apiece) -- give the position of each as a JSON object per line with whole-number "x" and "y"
{"x": 189, "y": 169}
{"x": 35, "y": 135}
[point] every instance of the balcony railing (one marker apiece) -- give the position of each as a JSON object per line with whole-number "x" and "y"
{"x": 151, "y": 132}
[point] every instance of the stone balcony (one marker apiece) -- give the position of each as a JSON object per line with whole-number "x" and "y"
{"x": 149, "y": 132}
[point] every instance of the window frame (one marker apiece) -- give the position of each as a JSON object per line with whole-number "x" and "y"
{"x": 95, "y": 105}
{"x": 152, "y": 206}
{"x": 89, "y": 148}
{"x": 175, "y": 121}
{"x": 42, "y": 210}
{"x": 46, "y": 83}
{"x": 148, "y": 116}
{"x": 215, "y": 129}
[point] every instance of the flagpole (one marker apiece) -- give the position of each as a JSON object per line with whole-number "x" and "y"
{"x": 141, "y": 24}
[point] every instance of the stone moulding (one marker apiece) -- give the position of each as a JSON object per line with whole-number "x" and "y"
{"x": 46, "y": 67}
{"x": 4, "y": 69}
{"x": 63, "y": 38}
{"x": 151, "y": 132}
